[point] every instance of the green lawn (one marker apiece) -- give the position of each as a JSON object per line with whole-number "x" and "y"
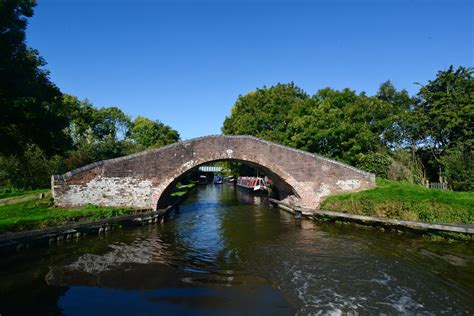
{"x": 402, "y": 200}
{"x": 41, "y": 213}
{"x": 7, "y": 193}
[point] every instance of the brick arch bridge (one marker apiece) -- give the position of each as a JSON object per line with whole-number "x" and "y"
{"x": 141, "y": 180}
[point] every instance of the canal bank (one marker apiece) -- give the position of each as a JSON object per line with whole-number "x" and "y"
{"x": 75, "y": 225}
{"x": 453, "y": 231}
{"x": 56, "y": 225}
{"x": 229, "y": 253}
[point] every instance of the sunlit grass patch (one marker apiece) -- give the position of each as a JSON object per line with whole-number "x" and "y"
{"x": 41, "y": 213}
{"x": 406, "y": 201}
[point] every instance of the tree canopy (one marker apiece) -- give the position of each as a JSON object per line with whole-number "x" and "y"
{"x": 42, "y": 130}
{"x": 434, "y": 128}
{"x": 32, "y": 108}
{"x": 152, "y": 133}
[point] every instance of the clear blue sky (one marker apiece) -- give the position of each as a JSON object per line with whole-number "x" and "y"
{"x": 186, "y": 62}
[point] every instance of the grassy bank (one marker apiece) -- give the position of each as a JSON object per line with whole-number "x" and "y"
{"x": 8, "y": 192}
{"x": 41, "y": 213}
{"x": 405, "y": 201}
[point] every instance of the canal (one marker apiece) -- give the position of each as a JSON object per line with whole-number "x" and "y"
{"x": 227, "y": 253}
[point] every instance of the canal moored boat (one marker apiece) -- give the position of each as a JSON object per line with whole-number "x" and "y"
{"x": 252, "y": 183}
{"x": 202, "y": 180}
{"x": 230, "y": 180}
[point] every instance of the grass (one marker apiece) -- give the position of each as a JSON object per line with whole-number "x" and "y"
{"x": 41, "y": 213}
{"x": 405, "y": 201}
{"x": 9, "y": 192}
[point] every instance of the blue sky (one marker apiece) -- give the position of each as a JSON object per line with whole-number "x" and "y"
{"x": 186, "y": 62}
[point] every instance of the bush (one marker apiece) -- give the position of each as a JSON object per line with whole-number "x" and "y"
{"x": 375, "y": 162}
{"x": 31, "y": 170}
{"x": 10, "y": 167}
{"x": 458, "y": 169}
{"x": 405, "y": 167}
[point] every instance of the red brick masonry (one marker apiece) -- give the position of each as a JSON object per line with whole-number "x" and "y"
{"x": 139, "y": 180}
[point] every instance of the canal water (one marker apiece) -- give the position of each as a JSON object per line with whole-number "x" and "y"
{"x": 227, "y": 253}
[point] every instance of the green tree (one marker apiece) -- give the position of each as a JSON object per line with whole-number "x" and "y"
{"x": 264, "y": 112}
{"x": 458, "y": 168}
{"x": 103, "y": 122}
{"x": 32, "y": 108}
{"x": 81, "y": 118}
{"x": 375, "y": 162}
{"x": 112, "y": 122}
{"x": 150, "y": 133}
{"x": 31, "y": 170}
{"x": 443, "y": 121}
{"x": 445, "y": 110}
{"x": 398, "y": 133}
{"x": 342, "y": 124}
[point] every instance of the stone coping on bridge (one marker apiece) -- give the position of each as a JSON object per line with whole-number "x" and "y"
{"x": 90, "y": 166}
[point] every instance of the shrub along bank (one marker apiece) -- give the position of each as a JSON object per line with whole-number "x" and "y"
{"x": 405, "y": 201}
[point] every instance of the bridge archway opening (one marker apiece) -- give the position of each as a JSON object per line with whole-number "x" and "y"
{"x": 281, "y": 189}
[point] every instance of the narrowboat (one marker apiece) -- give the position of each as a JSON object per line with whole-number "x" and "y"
{"x": 252, "y": 183}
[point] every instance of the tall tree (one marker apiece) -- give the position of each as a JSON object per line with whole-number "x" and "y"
{"x": 341, "y": 124}
{"x": 444, "y": 117}
{"x": 445, "y": 110}
{"x": 264, "y": 112}
{"x": 32, "y": 108}
{"x": 398, "y": 133}
{"x": 150, "y": 133}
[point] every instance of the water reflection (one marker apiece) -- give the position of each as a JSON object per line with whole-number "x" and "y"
{"x": 219, "y": 256}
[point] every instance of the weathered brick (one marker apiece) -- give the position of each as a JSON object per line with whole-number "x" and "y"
{"x": 139, "y": 180}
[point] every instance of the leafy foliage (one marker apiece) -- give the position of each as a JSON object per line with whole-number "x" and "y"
{"x": 43, "y": 131}
{"x": 152, "y": 133}
{"x": 265, "y": 112}
{"x": 458, "y": 168}
{"x": 376, "y": 163}
{"x": 337, "y": 124}
{"x": 390, "y": 133}
{"x": 445, "y": 120}
{"x": 32, "y": 169}
{"x": 32, "y": 111}
{"x": 445, "y": 110}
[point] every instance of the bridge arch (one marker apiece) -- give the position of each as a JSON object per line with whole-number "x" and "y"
{"x": 282, "y": 181}
{"x": 141, "y": 179}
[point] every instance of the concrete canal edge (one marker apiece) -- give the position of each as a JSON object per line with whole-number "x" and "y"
{"x": 375, "y": 221}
